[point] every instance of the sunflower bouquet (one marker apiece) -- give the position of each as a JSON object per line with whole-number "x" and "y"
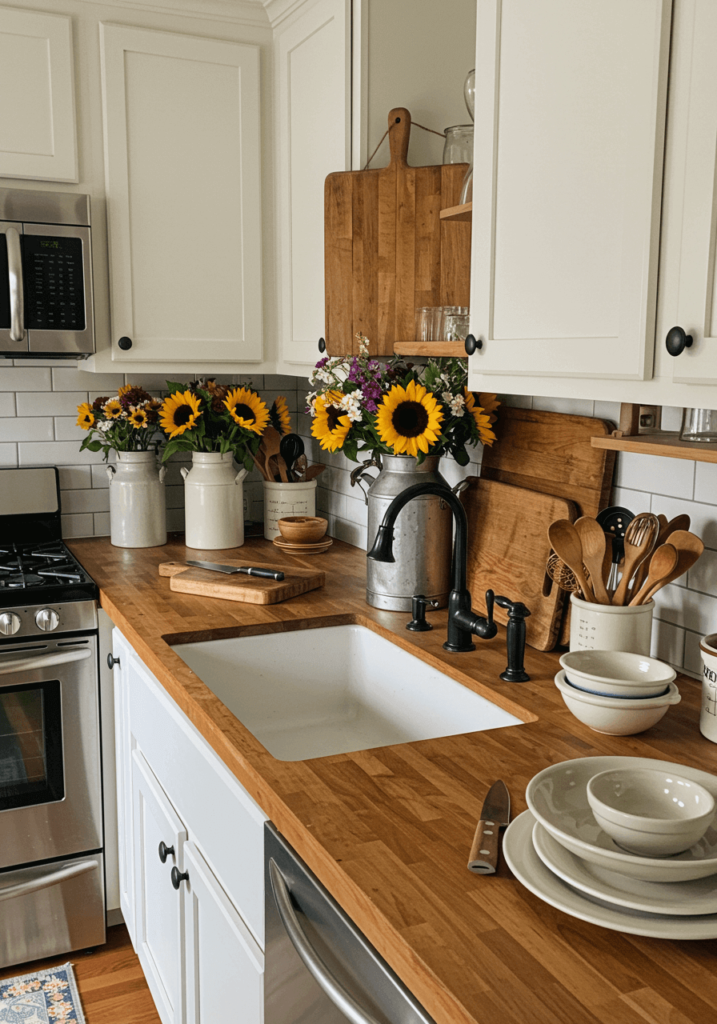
{"x": 125, "y": 422}
{"x": 362, "y": 405}
{"x": 204, "y": 416}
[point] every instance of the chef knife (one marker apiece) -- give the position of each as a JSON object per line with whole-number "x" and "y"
{"x": 495, "y": 815}
{"x": 229, "y": 570}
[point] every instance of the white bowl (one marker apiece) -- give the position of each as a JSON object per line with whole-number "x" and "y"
{"x": 654, "y": 813}
{"x": 617, "y": 673}
{"x": 615, "y": 716}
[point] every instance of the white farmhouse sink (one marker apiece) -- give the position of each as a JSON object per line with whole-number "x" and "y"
{"x": 315, "y": 692}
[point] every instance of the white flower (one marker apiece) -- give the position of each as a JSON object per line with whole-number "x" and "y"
{"x": 447, "y": 397}
{"x": 458, "y": 405}
{"x": 351, "y": 405}
{"x": 104, "y": 425}
{"x": 311, "y": 403}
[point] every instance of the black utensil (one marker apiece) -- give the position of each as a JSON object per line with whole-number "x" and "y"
{"x": 614, "y": 521}
{"x": 290, "y": 448}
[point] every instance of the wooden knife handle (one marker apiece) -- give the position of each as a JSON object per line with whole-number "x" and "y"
{"x": 483, "y": 859}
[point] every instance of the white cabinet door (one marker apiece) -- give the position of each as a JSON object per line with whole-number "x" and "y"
{"x": 38, "y": 137}
{"x": 123, "y": 760}
{"x": 570, "y": 111}
{"x": 159, "y": 909}
{"x": 182, "y": 167}
{"x": 224, "y": 963}
{"x": 313, "y": 88}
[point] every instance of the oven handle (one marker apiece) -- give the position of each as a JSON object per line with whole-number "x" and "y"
{"x": 9, "y": 892}
{"x": 14, "y": 264}
{"x": 311, "y": 959}
{"x": 44, "y": 661}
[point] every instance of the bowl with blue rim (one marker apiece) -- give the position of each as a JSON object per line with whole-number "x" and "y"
{"x": 617, "y": 674}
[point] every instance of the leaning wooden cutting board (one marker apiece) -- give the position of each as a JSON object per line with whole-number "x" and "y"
{"x": 508, "y": 547}
{"x": 386, "y": 250}
{"x": 187, "y": 579}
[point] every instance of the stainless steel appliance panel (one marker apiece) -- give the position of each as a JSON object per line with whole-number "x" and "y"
{"x": 355, "y": 983}
{"x": 48, "y": 909}
{"x": 40, "y": 207}
{"x": 79, "y": 340}
{"x": 13, "y": 336}
{"x": 71, "y": 824}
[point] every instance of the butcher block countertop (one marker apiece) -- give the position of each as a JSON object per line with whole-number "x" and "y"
{"x": 388, "y": 830}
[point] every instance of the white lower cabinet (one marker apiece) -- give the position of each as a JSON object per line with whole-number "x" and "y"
{"x": 199, "y": 936}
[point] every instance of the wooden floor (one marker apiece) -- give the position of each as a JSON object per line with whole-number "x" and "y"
{"x": 111, "y": 982}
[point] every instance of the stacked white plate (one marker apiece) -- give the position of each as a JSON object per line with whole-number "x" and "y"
{"x": 559, "y": 852}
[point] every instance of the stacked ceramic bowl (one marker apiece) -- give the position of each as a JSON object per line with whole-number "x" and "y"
{"x": 615, "y": 692}
{"x": 628, "y": 843}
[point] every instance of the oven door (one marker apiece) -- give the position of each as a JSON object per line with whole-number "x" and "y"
{"x": 13, "y": 336}
{"x": 50, "y": 795}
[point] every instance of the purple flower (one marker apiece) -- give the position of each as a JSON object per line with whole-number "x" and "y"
{"x": 322, "y": 363}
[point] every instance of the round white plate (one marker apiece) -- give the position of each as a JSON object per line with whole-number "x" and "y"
{"x": 557, "y": 797}
{"x": 681, "y": 899}
{"x": 529, "y": 869}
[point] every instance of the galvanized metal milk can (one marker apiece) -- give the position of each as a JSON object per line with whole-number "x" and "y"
{"x": 423, "y": 535}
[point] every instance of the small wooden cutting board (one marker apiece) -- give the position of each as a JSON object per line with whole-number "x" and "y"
{"x": 187, "y": 579}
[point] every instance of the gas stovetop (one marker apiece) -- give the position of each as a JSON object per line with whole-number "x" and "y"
{"x": 42, "y": 574}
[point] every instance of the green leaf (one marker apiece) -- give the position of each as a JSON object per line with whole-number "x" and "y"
{"x": 350, "y": 449}
{"x": 461, "y": 456}
{"x": 248, "y": 463}
{"x": 173, "y": 386}
{"x": 93, "y": 446}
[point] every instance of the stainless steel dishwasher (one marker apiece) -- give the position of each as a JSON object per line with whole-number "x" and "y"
{"x": 320, "y": 969}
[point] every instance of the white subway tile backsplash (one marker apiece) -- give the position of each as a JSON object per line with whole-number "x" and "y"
{"x": 25, "y": 378}
{"x": 8, "y": 455}
{"x": 21, "y": 428}
{"x": 668, "y": 642}
{"x": 684, "y": 607}
{"x": 56, "y": 453}
{"x": 608, "y": 411}
{"x": 693, "y": 656}
{"x": 572, "y": 406}
{"x": 634, "y": 501}
{"x": 66, "y": 429}
{"x": 78, "y": 526}
{"x": 56, "y": 403}
{"x": 99, "y": 475}
{"x": 706, "y": 482}
{"x": 649, "y": 473}
{"x": 704, "y": 517}
{"x": 75, "y": 478}
{"x": 101, "y": 524}
{"x": 7, "y": 403}
{"x": 71, "y": 379}
{"x": 87, "y": 500}
{"x": 703, "y": 574}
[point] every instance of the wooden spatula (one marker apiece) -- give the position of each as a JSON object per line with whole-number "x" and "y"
{"x": 593, "y": 544}
{"x": 681, "y": 522}
{"x": 566, "y": 544}
{"x": 662, "y": 564}
{"x": 689, "y": 548}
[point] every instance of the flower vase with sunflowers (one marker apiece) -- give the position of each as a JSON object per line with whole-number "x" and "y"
{"x": 125, "y": 422}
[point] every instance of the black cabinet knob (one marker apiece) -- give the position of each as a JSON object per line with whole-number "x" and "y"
{"x": 322, "y": 345}
{"x": 164, "y": 852}
{"x": 125, "y": 343}
{"x": 473, "y": 344}
{"x": 112, "y": 661}
{"x": 178, "y": 877}
{"x": 677, "y": 341}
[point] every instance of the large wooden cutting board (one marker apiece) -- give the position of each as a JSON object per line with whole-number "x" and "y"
{"x": 188, "y": 579}
{"x": 508, "y": 547}
{"x": 386, "y": 250}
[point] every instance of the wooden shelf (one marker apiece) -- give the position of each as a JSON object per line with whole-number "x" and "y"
{"x": 440, "y": 349}
{"x": 464, "y": 212}
{"x": 668, "y": 445}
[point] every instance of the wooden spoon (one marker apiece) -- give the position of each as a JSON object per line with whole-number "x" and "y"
{"x": 566, "y": 544}
{"x": 662, "y": 564}
{"x": 271, "y": 443}
{"x": 592, "y": 540}
{"x": 313, "y": 471}
{"x": 689, "y": 548}
{"x": 640, "y": 538}
{"x": 681, "y": 522}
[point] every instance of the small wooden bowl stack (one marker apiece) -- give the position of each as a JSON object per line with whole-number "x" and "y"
{"x": 303, "y": 535}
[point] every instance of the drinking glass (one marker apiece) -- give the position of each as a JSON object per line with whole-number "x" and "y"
{"x": 458, "y": 147}
{"x": 699, "y": 425}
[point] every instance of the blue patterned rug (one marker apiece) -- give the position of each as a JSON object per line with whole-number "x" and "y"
{"x": 46, "y": 997}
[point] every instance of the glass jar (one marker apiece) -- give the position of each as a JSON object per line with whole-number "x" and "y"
{"x": 699, "y": 425}
{"x": 455, "y": 323}
{"x": 458, "y": 147}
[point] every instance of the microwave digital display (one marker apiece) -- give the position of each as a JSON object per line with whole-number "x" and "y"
{"x": 54, "y": 283}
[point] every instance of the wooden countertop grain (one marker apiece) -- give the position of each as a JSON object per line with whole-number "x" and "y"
{"x": 388, "y": 830}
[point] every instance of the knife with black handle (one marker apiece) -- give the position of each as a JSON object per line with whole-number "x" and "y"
{"x": 483, "y": 859}
{"x": 230, "y": 570}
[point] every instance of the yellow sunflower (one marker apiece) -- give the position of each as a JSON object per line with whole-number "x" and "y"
{"x": 409, "y": 419}
{"x": 138, "y": 418}
{"x": 85, "y": 417}
{"x": 489, "y": 404}
{"x": 247, "y": 409}
{"x": 330, "y": 425}
{"x": 112, "y": 410}
{"x": 124, "y": 389}
{"x": 481, "y": 417}
{"x": 279, "y": 415}
{"x": 180, "y": 412}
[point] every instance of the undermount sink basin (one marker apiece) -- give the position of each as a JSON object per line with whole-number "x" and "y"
{"x": 314, "y": 692}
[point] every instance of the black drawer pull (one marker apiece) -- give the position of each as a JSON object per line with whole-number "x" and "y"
{"x": 164, "y": 852}
{"x": 178, "y": 877}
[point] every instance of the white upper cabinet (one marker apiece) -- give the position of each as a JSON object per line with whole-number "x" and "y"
{"x": 38, "y": 136}
{"x": 313, "y": 133}
{"x": 182, "y": 164}
{"x": 569, "y": 128}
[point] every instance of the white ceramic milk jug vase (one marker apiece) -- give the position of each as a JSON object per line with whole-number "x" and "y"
{"x": 213, "y": 501}
{"x": 138, "y": 517}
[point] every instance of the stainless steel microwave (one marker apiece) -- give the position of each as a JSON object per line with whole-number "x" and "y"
{"x": 46, "y": 304}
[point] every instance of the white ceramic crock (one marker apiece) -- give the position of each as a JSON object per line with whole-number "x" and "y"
{"x": 708, "y": 712}
{"x": 280, "y": 499}
{"x": 607, "y": 627}
{"x": 138, "y": 517}
{"x": 213, "y": 502}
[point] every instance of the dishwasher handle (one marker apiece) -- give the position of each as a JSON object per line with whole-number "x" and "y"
{"x": 316, "y": 967}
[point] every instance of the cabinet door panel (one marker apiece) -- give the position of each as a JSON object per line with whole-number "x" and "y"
{"x": 123, "y": 761}
{"x": 182, "y": 151}
{"x": 224, "y": 964}
{"x": 159, "y": 912}
{"x": 570, "y": 111}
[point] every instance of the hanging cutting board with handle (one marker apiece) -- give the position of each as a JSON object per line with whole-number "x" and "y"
{"x": 508, "y": 547}
{"x": 188, "y": 579}
{"x": 386, "y": 250}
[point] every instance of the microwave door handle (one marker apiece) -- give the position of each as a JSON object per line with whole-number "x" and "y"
{"x": 9, "y": 892}
{"x": 43, "y": 661}
{"x": 14, "y": 263}
{"x": 311, "y": 959}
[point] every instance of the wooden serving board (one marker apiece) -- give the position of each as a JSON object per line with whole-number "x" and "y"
{"x": 508, "y": 547}
{"x": 386, "y": 250}
{"x": 188, "y": 579}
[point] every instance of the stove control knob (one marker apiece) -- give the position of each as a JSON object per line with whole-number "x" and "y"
{"x": 47, "y": 619}
{"x": 9, "y": 623}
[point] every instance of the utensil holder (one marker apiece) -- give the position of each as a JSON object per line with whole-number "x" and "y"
{"x": 291, "y": 499}
{"x": 606, "y": 627}
{"x": 708, "y": 710}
